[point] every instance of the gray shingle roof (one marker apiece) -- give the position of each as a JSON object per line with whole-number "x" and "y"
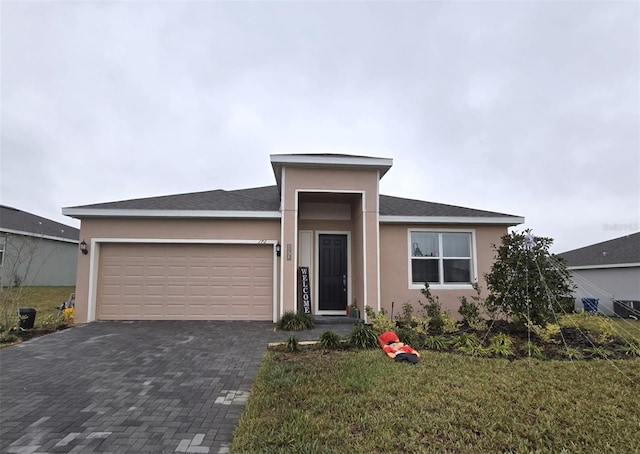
{"x": 267, "y": 198}
{"x": 613, "y": 252}
{"x": 254, "y": 199}
{"x": 20, "y": 221}
{"x": 396, "y": 206}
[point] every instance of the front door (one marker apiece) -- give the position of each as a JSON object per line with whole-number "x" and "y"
{"x": 332, "y": 278}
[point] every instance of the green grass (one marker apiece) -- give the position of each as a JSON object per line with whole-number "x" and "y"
{"x": 44, "y": 300}
{"x": 362, "y": 402}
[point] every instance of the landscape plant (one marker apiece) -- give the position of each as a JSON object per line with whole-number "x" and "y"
{"x": 363, "y": 336}
{"x": 526, "y": 282}
{"x": 330, "y": 340}
{"x": 295, "y": 321}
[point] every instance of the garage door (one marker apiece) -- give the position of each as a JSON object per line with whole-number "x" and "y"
{"x": 185, "y": 282}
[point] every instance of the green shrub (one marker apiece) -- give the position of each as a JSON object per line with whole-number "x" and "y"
{"x": 379, "y": 321}
{"x": 572, "y": 353}
{"x": 292, "y": 344}
{"x": 532, "y": 349}
{"x": 436, "y": 342}
{"x": 449, "y": 324}
{"x": 363, "y": 336}
{"x": 469, "y": 344}
{"x": 598, "y": 352}
{"x": 330, "y": 340}
{"x": 600, "y": 330}
{"x": 295, "y": 321}
{"x": 501, "y": 344}
{"x": 546, "y": 333}
{"x": 406, "y": 317}
{"x": 408, "y": 336}
{"x": 469, "y": 311}
{"x": 631, "y": 348}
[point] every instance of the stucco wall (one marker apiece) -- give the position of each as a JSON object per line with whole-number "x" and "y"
{"x": 347, "y": 181}
{"x": 39, "y": 261}
{"x": 607, "y": 285}
{"x": 394, "y": 265}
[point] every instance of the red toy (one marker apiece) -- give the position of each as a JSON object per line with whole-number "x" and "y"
{"x": 395, "y": 349}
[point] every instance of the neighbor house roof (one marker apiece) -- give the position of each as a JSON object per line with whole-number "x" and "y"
{"x": 13, "y": 220}
{"x": 613, "y": 253}
{"x": 264, "y": 202}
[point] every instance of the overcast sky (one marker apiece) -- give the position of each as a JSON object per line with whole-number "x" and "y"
{"x": 526, "y": 108}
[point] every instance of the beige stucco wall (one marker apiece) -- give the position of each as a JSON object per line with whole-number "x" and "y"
{"x": 179, "y": 229}
{"x": 394, "y": 266}
{"x": 364, "y": 183}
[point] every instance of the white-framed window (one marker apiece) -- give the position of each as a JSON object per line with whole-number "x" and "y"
{"x": 440, "y": 258}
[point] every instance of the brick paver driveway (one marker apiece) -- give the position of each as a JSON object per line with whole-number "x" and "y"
{"x": 159, "y": 387}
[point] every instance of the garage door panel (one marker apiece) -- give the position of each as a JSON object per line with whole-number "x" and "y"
{"x": 185, "y": 281}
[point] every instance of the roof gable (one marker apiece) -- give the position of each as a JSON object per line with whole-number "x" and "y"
{"x": 13, "y": 220}
{"x": 619, "y": 251}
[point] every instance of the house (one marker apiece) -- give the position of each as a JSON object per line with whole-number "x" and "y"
{"x": 608, "y": 271}
{"x": 35, "y": 250}
{"x": 238, "y": 255}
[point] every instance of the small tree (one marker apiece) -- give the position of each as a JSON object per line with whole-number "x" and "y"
{"x": 526, "y": 281}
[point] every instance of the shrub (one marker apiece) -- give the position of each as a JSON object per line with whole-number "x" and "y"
{"x": 379, "y": 321}
{"x": 598, "y": 352}
{"x": 501, "y": 344}
{"x": 363, "y": 336}
{"x": 406, "y": 317}
{"x": 436, "y": 342}
{"x": 599, "y": 329}
{"x": 407, "y": 336}
{"x": 449, "y": 324}
{"x": 532, "y": 349}
{"x": 469, "y": 344}
{"x": 470, "y": 310}
{"x": 330, "y": 340}
{"x": 292, "y": 344}
{"x": 545, "y": 333}
{"x": 631, "y": 348}
{"x": 572, "y": 353}
{"x": 295, "y": 321}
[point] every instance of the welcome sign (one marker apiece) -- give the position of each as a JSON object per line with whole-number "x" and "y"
{"x": 304, "y": 290}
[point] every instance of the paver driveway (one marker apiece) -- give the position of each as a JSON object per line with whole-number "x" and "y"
{"x": 160, "y": 387}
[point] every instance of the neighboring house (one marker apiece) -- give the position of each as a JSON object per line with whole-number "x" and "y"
{"x": 35, "y": 250}
{"x": 607, "y": 271}
{"x": 235, "y": 255}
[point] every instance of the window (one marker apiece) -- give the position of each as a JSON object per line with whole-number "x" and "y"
{"x": 440, "y": 258}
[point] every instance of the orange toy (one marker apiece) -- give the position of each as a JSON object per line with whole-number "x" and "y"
{"x": 397, "y": 350}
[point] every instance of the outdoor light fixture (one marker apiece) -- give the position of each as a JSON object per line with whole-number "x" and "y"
{"x": 278, "y": 249}
{"x": 83, "y": 248}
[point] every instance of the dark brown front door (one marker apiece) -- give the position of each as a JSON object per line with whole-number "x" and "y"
{"x": 333, "y": 273}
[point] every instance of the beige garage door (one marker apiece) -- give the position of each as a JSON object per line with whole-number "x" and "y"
{"x": 185, "y": 282}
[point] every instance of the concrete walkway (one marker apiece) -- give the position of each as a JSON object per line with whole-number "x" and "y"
{"x": 117, "y": 387}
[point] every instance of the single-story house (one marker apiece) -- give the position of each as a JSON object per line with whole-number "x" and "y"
{"x": 608, "y": 271}
{"x": 35, "y": 250}
{"x": 239, "y": 255}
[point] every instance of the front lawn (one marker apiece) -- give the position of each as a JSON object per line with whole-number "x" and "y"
{"x": 360, "y": 401}
{"x": 45, "y": 300}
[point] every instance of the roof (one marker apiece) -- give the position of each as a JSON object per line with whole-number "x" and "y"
{"x": 13, "y": 220}
{"x": 265, "y": 202}
{"x": 619, "y": 251}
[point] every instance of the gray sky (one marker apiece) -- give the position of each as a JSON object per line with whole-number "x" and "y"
{"x": 526, "y": 108}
